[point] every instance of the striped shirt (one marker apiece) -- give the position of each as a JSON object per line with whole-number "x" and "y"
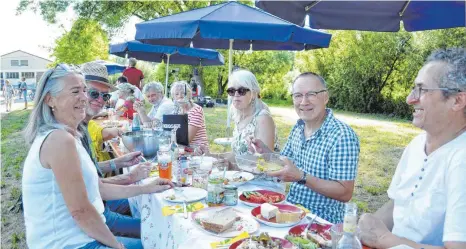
{"x": 196, "y": 119}
{"x": 331, "y": 153}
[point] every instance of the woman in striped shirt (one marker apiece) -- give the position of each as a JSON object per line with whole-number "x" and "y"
{"x": 182, "y": 96}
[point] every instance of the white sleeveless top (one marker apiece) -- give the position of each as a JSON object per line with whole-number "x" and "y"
{"x": 48, "y": 221}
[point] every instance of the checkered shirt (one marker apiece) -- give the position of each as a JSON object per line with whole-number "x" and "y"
{"x": 331, "y": 153}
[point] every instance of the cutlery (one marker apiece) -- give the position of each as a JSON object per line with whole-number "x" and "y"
{"x": 309, "y": 225}
{"x": 185, "y": 209}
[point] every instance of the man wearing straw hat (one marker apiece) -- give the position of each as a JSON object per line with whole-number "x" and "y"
{"x": 96, "y": 77}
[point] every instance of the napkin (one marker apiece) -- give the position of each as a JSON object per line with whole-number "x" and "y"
{"x": 191, "y": 207}
{"x": 305, "y": 210}
{"x": 243, "y": 235}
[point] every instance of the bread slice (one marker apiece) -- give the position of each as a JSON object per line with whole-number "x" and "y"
{"x": 284, "y": 217}
{"x": 220, "y": 221}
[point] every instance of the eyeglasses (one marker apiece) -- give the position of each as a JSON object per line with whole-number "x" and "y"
{"x": 62, "y": 66}
{"x": 418, "y": 90}
{"x": 241, "y": 91}
{"x": 94, "y": 94}
{"x": 298, "y": 97}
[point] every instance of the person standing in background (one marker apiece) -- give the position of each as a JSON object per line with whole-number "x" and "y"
{"x": 23, "y": 90}
{"x": 8, "y": 93}
{"x": 134, "y": 75}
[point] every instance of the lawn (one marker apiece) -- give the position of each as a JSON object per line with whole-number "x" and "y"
{"x": 382, "y": 142}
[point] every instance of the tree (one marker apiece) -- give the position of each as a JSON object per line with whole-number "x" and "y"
{"x": 112, "y": 14}
{"x": 86, "y": 41}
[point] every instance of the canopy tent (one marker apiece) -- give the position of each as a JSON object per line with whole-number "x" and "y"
{"x": 229, "y": 25}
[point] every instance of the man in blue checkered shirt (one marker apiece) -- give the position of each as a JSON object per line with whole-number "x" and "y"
{"x": 322, "y": 153}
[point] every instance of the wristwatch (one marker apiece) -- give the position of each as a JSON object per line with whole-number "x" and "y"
{"x": 113, "y": 166}
{"x": 303, "y": 179}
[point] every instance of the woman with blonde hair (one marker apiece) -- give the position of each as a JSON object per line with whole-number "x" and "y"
{"x": 251, "y": 115}
{"x": 62, "y": 193}
{"x": 182, "y": 97}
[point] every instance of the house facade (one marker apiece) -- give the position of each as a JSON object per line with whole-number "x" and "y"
{"x": 18, "y": 64}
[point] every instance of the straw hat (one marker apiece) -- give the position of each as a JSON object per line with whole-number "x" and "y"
{"x": 96, "y": 72}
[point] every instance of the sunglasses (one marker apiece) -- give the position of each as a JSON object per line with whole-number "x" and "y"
{"x": 94, "y": 94}
{"x": 241, "y": 91}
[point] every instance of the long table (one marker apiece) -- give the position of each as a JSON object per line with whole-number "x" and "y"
{"x": 171, "y": 232}
{"x": 176, "y": 232}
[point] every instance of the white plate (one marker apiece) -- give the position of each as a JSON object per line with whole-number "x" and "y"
{"x": 233, "y": 174}
{"x": 189, "y": 194}
{"x": 283, "y": 208}
{"x": 246, "y": 223}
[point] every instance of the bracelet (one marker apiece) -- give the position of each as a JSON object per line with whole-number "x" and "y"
{"x": 113, "y": 166}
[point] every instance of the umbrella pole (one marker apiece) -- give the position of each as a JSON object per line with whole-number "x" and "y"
{"x": 166, "y": 75}
{"x": 230, "y": 67}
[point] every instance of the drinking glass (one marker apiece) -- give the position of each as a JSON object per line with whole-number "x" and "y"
{"x": 336, "y": 231}
{"x": 200, "y": 178}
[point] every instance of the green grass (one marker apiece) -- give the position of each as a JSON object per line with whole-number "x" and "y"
{"x": 14, "y": 122}
{"x": 14, "y": 152}
{"x": 278, "y": 102}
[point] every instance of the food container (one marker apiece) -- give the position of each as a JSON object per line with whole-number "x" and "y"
{"x": 260, "y": 163}
{"x": 231, "y": 195}
{"x": 215, "y": 192}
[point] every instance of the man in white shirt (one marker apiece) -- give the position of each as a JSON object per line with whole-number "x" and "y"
{"x": 428, "y": 191}
{"x": 115, "y": 100}
{"x": 160, "y": 104}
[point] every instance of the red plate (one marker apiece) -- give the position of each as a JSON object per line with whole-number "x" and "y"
{"x": 285, "y": 243}
{"x": 263, "y": 192}
{"x": 318, "y": 228}
{"x": 273, "y": 222}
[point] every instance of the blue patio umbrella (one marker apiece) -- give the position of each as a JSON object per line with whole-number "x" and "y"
{"x": 112, "y": 67}
{"x": 167, "y": 54}
{"x": 382, "y": 16}
{"x": 230, "y": 25}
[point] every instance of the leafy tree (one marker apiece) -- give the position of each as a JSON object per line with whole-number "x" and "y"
{"x": 86, "y": 41}
{"x": 113, "y": 14}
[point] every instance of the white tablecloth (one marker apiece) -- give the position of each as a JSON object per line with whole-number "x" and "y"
{"x": 172, "y": 232}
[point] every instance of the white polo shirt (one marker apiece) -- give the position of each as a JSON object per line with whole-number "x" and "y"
{"x": 429, "y": 193}
{"x": 165, "y": 107}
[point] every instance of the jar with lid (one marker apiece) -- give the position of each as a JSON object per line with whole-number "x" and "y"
{"x": 231, "y": 195}
{"x": 215, "y": 191}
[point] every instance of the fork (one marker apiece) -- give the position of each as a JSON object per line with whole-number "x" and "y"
{"x": 309, "y": 225}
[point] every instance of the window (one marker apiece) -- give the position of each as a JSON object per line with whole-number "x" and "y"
{"x": 14, "y": 75}
{"x": 27, "y": 75}
{"x": 19, "y": 63}
{"x": 1, "y": 75}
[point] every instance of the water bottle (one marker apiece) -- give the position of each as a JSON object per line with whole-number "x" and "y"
{"x": 349, "y": 240}
{"x": 136, "y": 123}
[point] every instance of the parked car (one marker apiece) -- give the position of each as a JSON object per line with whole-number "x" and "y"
{"x": 206, "y": 101}
{"x": 209, "y": 102}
